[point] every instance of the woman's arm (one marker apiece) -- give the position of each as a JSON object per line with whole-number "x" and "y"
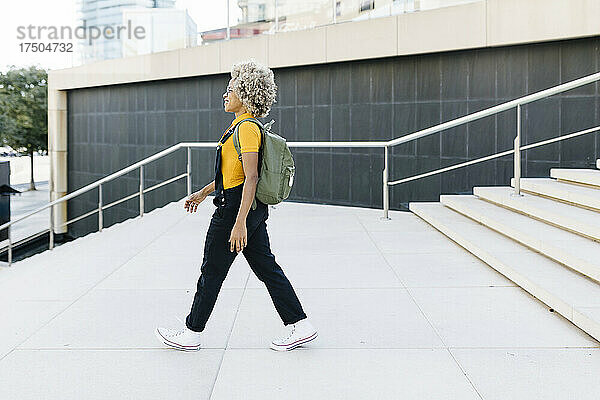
{"x": 238, "y": 237}
{"x": 208, "y": 189}
{"x": 250, "y": 166}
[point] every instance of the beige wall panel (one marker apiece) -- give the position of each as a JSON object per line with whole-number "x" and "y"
{"x": 200, "y": 60}
{"x": 449, "y": 28}
{"x": 237, "y": 50}
{"x": 60, "y": 212}
{"x": 162, "y": 65}
{"x": 59, "y": 168}
{"x": 92, "y": 74}
{"x": 57, "y": 99}
{"x": 298, "y": 48}
{"x": 518, "y": 21}
{"x": 57, "y": 130}
{"x": 129, "y": 69}
{"x": 51, "y": 130}
{"x": 363, "y": 39}
{"x": 68, "y": 78}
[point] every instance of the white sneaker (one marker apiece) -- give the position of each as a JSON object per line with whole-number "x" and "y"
{"x": 180, "y": 339}
{"x": 299, "y": 333}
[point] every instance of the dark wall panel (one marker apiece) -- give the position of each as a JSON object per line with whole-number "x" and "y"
{"x": 112, "y": 127}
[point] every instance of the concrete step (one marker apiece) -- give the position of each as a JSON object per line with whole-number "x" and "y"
{"x": 565, "y": 291}
{"x": 575, "y": 219}
{"x": 581, "y": 196}
{"x": 574, "y": 251}
{"x": 582, "y": 176}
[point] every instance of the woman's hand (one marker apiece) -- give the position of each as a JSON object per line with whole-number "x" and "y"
{"x": 238, "y": 238}
{"x": 191, "y": 204}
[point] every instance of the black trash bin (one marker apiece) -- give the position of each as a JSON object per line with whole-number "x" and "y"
{"x": 5, "y": 192}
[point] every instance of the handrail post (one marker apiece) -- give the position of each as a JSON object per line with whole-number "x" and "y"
{"x": 141, "y": 190}
{"x": 9, "y": 247}
{"x": 386, "y": 188}
{"x": 517, "y": 154}
{"x": 189, "y": 171}
{"x": 51, "y": 241}
{"x": 100, "y": 208}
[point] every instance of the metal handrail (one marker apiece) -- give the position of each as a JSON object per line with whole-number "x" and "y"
{"x": 475, "y": 116}
{"x": 385, "y": 144}
{"x": 98, "y": 183}
{"x": 498, "y": 108}
{"x": 493, "y": 156}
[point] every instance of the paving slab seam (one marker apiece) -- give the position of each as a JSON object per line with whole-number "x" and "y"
{"x": 454, "y": 287}
{"x": 462, "y": 370}
{"x": 329, "y": 253}
{"x": 382, "y": 254}
{"x": 524, "y": 348}
{"x": 345, "y": 348}
{"x": 295, "y": 287}
{"x": 83, "y": 294}
{"x": 212, "y": 388}
{"x": 327, "y": 348}
{"x": 157, "y": 348}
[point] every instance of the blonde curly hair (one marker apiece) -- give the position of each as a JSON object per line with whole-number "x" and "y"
{"x": 254, "y": 84}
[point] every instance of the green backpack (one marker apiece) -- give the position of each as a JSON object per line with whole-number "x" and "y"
{"x": 276, "y": 165}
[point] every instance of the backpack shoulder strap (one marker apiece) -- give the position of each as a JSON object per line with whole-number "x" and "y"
{"x": 238, "y": 148}
{"x": 236, "y": 135}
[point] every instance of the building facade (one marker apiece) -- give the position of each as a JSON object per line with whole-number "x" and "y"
{"x": 166, "y": 29}
{"x": 373, "y": 89}
{"x": 105, "y": 14}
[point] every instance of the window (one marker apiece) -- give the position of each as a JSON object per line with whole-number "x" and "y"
{"x": 261, "y": 12}
{"x": 366, "y": 5}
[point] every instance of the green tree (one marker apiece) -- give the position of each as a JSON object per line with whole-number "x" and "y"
{"x": 24, "y": 111}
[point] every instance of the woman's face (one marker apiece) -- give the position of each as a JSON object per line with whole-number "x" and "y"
{"x": 231, "y": 102}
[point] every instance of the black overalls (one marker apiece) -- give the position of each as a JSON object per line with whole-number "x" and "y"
{"x": 218, "y": 257}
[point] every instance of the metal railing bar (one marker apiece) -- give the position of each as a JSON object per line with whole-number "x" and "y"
{"x": 337, "y": 144}
{"x": 198, "y": 144}
{"x": 108, "y": 178}
{"x": 558, "y": 139}
{"x": 28, "y": 238}
{"x": 165, "y": 182}
{"x": 450, "y": 168}
{"x": 496, "y": 109}
{"x": 114, "y": 203}
{"x": 497, "y": 155}
{"x": 122, "y": 200}
{"x": 94, "y": 211}
{"x": 381, "y": 143}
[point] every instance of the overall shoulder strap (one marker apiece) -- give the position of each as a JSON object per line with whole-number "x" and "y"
{"x": 226, "y": 136}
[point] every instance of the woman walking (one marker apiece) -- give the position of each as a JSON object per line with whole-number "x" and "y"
{"x": 236, "y": 225}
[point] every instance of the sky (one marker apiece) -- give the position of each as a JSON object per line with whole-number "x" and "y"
{"x": 208, "y": 14}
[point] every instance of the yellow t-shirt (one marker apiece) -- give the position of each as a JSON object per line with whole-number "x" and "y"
{"x": 231, "y": 166}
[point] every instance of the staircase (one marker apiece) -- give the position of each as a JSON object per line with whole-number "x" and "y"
{"x": 546, "y": 241}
